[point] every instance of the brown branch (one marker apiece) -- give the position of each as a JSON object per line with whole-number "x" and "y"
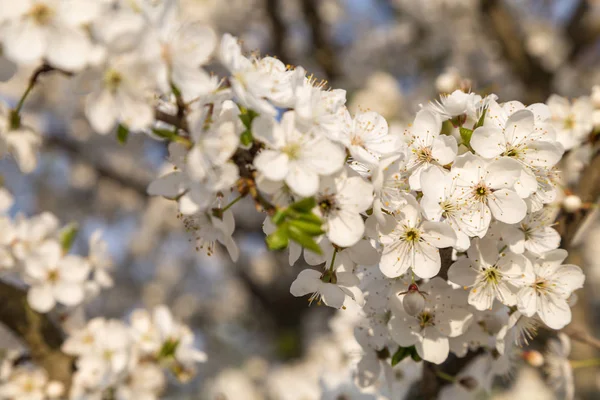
{"x": 581, "y": 335}
{"x": 579, "y": 31}
{"x": 273, "y": 8}
{"x": 502, "y": 27}
{"x": 42, "y": 337}
{"x": 324, "y": 52}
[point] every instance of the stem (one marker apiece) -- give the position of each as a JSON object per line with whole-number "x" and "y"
{"x": 333, "y": 259}
{"x": 445, "y": 376}
{"x": 503, "y": 248}
{"x": 228, "y": 206}
{"x": 590, "y": 362}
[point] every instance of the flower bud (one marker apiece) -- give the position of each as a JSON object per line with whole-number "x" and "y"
{"x": 571, "y": 203}
{"x": 55, "y": 389}
{"x": 533, "y": 358}
{"x": 413, "y": 302}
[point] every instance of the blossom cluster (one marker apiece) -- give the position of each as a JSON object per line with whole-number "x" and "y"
{"x": 127, "y": 361}
{"x": 36, "y": 250}
{"x": 440, "y": 234}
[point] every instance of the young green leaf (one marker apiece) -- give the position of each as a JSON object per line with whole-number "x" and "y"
{"x": 400, "y": 355}
{"x": 303, "y": 239}
{"x": 122, "y": 133}
{"x": 279, "y": 239}
{"x": 68, "y": 235}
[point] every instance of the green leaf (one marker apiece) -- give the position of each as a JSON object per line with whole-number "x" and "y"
{"x": 163, "y": 133}
{"x": 481, "y": 119}
{"x": 400, "y": 355}
{"x": 122, "y": 133}
{"x": 279, "y": 217}
{"x": 310, "y": 228}
{"x": 303, "y": 239}
{"x": 466, "y": 134}
{"x": 68, "y": 235}
{"x": 309, "y": 217}
{"x": 246, "y": 137}
{"x": 414, "y": 355}
{"x": 304, "y": 205}
{"x": 279, "y": 239}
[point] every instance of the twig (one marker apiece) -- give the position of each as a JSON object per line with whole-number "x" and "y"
{"x": 42, "y": 336}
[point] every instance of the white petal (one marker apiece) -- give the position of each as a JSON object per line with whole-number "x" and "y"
{"x": 462, "y": 273}
{"x": 434, "y": 347}
{"x": 101, "y": 111}
{"x": 333, "y": 295}
{"x": 68, "y": 48}
{"x": 488, "y": 141}
{"x": 273, "y": 164}
{"x": 345, "y": 229}
{"x": 554, "y": 311}
{"x": 438, "y": 234}
{"x": 427, "y": 261}
{"x": 302, "y": 181}
{"x": 41, "y": 298}
{"x": 308, "y": 281}
{"x": 527, "y": 301}
{"x": 444, "y": 149}
{"x": 507, "y": 206}
{"x": 68, "y": 293}
{"x": 24, "y": 42}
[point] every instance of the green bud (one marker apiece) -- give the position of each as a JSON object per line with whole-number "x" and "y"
{"x": 279, "y": 239}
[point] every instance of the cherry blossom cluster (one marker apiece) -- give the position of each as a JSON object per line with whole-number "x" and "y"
{"x": 113, "y": 358}
{"x": 36, "y": 251}
{"x": 441, "y": 234}
{"x": 130, "y": 360}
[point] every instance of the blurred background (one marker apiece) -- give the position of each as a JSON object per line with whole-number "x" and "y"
{"x": 391, "y": 56}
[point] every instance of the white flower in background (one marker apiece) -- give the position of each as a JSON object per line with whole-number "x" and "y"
{"x": 489, "y": 274}
{"x": 25, "y": 383}
{"x": 413, "y": 243}
{"x": 121, "y": 92}
{"x": 29, "y": 233}
{"x": 193, "y": 195}
{"x": 214, "y": 146}
{"x": 340, "y": 201}
{"x": 145, "y": 382}
{"x": 443, "y": 201}
{"x": 251, "y": 85}
{"x": 390, "y": 185}
{"x": 427, "y": 147}
{"x": 458, "y": 103}
{"x": 48, "y": 29}
{"x": 54, "y": 277}
{"x": 319, "y": 111}
{"x": 22, "y": 143}
{"x": 182, "y": 48}
{"x": 534, "y": 234}
{"x": 549, "y": 288}
{"x": 442, "y": 317}
{"x": 486, "y": 188}
{"x": 104, "y": 352}
{"x": 207, "y": 229}
{"x": 573, "y": 120}
{"x": 558, "y": 367}
{"x": 367, "y": 138}
{"x": 518, "y": 136}
{"x": 100, "y": 263}
{"x": 361, "y": 253}
{"x": 297, "y": 158}
{"x": 332, "y": 287}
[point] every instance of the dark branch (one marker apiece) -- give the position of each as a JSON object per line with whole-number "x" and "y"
{"x": 42, "y": 337}
{"x": 324, "y": 52}
{"x": 279, "y": 30}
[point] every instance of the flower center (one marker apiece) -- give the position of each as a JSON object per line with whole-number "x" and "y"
{"x": 41, "y": 13}
{"x": 425, "y": 319}
{"x": 327, "y": 204}
{"x": 292, "y": 150}
{"x": 569, "y": 122}
{"x": 329, "y": 277}
{"x": 448, "y": 208}
{"x": 492, "y": 275}
{"x": 412, "y": 235}
{"x": 53, "y": 276}
{"x": 424, "y": 155}
{"x": 357, "y": 141}
{"x": 112, "y": 80}
{"x": 481, "y": 191}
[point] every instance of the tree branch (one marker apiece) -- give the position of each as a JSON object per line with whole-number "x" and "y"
{"x": 42, "y": 337}
{"x": 324, "y": 53}
{"x": 502, "y": 26}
